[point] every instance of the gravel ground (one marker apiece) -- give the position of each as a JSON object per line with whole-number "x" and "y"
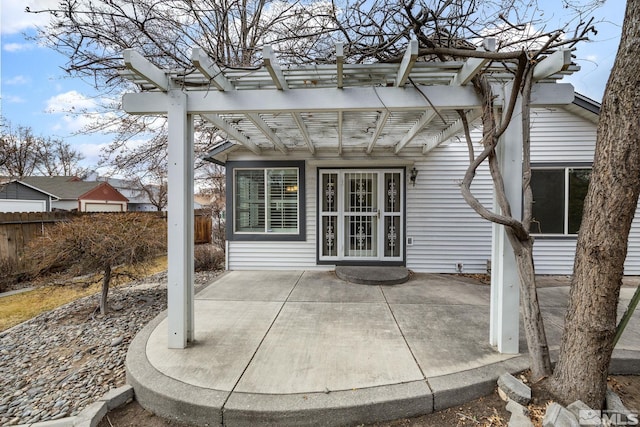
{"x": 55, "y": 364}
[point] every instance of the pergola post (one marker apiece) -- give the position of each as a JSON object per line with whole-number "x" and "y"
{"x": 180, "y": 294}
{"x": 505, "y": 282}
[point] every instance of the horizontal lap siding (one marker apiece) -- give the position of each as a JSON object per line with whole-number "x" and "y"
{"x": 558, "y": 136}
{"x": 445, "y": 230}
{"x": 281, "y": 255}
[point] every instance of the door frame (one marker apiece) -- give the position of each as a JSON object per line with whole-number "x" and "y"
{"x": 340, "y": 259}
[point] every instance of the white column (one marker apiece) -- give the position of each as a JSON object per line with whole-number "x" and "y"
{"x": 505, "y": 283}
{"x": 180, "y": 221}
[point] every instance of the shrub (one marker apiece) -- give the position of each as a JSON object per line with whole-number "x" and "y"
{"x": 208, "y": 258}
{"x": 98, "y": 243}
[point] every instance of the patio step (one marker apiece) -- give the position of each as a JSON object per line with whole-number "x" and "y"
{"x": 373, "y": 275}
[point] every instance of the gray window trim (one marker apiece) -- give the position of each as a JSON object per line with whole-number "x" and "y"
{"x": 266, "y": 237}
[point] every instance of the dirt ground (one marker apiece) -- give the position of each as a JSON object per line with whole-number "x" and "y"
{"x": 488, "y": 411}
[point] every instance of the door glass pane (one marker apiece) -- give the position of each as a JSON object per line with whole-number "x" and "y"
{"x": 392, "y": 192}
{"x": 329, "y": 235}
{"x": 329, "y": 195}
{"x": 249, "y": 209}
{"x": 392, "y": 236}
{"x": 547, "y": 186}
{"x": 361, "y": 236}
{"x": 361, "y": 192}
{"x": 578, "y": 183}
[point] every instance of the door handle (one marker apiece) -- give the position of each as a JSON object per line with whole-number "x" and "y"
{"x": 378, "y": 213}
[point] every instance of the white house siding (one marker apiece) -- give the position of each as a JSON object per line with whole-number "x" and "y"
{"x": 444, "y": 229}
{"x": 557, "y": 136}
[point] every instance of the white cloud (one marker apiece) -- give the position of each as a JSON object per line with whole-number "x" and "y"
{"x": 17, "y": 80}
{"x": 11, "y": 99}
{"x": 70, "y": 102}
{"x": 18, "y": 47}
{"x": 14, "y": 19}
{"x": 80, "y": 112}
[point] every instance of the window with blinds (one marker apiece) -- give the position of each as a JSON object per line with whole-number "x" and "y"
{"x": 266, "y": 200}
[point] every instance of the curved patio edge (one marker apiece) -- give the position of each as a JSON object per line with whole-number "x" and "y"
{"x": 165, "y": 396}
{"x": 176, "y": 400}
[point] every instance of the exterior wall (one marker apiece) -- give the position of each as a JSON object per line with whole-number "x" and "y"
{"x": 16, "y": 191}
{"x": 443, "y": 229}
{"x": 558, "y": 137}
{"x": 65, "y": 205}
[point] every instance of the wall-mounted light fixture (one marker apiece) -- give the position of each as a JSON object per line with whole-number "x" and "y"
{"x": 413, "y": 176}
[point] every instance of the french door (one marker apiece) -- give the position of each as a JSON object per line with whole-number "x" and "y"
{"x": 361, "y": 215}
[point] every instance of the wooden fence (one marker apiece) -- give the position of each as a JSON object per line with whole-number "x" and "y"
{"x": 18, "y": 229}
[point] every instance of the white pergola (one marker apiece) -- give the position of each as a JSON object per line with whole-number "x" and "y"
{"x": 344, "y": 111}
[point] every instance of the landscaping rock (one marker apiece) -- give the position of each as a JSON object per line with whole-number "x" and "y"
{"x": 58, "y": 363}
{"x": 559, "y": 416}
{"x": 519, "y": 415}
{"x": 576, "y": 407}
{"x": 614, "y": 403}
{"x": 514, "y": 389}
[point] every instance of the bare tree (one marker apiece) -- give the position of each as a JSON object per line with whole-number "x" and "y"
{"x": 610, "y": 205}
{"x": 18, "y": 149}
{"x": 97, "y": 243}
{"x": 23, "y": 154}
{"x": 56, "y": 157}
{"x": 213, "y": 187}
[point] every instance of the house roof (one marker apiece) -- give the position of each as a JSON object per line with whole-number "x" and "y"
{"x": 62, "y": 187}
{"x": 409, "y": 106}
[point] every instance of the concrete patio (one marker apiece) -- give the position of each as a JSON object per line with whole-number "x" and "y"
{"x": 306, "y": 348}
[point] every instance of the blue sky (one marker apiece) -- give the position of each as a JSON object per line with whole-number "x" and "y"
{"x": 35, "y": 92}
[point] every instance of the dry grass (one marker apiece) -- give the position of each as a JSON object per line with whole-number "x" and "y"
{"x": 15, "y": 309}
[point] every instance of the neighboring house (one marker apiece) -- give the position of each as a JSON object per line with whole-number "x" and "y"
{"x": 74, "y": 194}
{"x": 138, "y": 200}
{"x": 16, "y": 196}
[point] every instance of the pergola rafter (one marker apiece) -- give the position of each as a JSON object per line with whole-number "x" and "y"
{"x": 255, "y": 104}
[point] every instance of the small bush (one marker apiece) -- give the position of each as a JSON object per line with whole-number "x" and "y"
{"x": 208, "y": 258}
{"x": 8, "y": 273}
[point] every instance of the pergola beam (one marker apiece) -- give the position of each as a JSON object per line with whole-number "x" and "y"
{"x": 304, "y": 131}
{"x": 382, "y": 121}
{"x": 145, "y": 69}
{"x": 473, "y": 66}
{"x": 353, "y": 99}
{"x": 340, "y": 64}
{"x": 210, "y": 70}
{"x": 408, "y": 60}
{"x": 415, "y": 129}
{"x": 231, "y": 131}
{"x": 552, "y": 64}
{"x": 266, "y": 130}
{"x": 271, "y": 64}
{"x": 340, "y": 123}
{"x": 450, "y": 131}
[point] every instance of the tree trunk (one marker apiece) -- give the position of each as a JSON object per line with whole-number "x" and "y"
{"x": 106, "y": 279}
{"x": 539, "y": 359}
{"x": 590, "y": 322}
